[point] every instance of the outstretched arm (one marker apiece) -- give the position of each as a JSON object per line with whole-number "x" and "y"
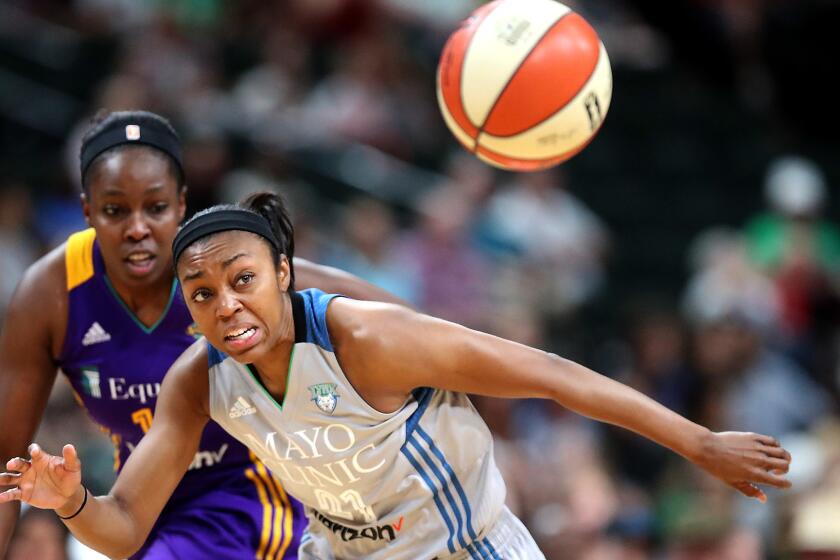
{"x": 118, "y": 524}
{"x": 334, "y": 280}
{"x": 399, "y": 350}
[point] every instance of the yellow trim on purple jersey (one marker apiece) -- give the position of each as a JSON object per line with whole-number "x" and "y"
{"x": 277, "y": 512}
{"x": 267, "y": 511}
{"x": 78, "y": 257}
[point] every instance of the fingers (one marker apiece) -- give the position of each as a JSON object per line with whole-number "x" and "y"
{"x": 778, "y": 452}
{"x": 9, "y": 479}
{"x": 10, "y": 495}
{"x": 18, "y": 464}
{"x": 766, "y": 440}
{"x": 776, "y": 458}
{"x": 778, "y": 466}
{"x": 71, "y": 459}
{"x": 36, "y": 452}
{"x": 772, "y": 479}
{"x": 750, "y": 491}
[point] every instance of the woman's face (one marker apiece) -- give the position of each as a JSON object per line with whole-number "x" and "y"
{"x": 235, "y": 294}
{"x": 134, "y": 203}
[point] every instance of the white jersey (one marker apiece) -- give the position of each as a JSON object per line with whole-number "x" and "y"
{"x": 418, "y": 483}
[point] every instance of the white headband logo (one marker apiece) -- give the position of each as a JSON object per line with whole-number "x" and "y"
{"x": 132, "y": 132}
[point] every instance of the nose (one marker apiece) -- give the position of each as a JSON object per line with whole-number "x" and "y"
{"x": 137, "y": 229}
{"x": 228, "y": 305}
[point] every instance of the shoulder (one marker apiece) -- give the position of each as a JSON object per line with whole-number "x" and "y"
{"x": 47, "y": 274}
{"x": 41, "y": 298}
{"x": 187, "y": 377}
{"x": 379, "y": 334}
{"x": 60, "y": 270}
{"x": 365, "y": 322}
{"x": 193, "y": 362}
{"x": 374, "y": 344}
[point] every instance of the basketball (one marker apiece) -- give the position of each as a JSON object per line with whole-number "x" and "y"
{"x": 524, "y": 84}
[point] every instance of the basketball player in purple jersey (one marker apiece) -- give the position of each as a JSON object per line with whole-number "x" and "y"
{"x": 105, "y": 308}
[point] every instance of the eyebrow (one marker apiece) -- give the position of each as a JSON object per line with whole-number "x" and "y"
{"x": 121, "y": 192}
{"x": 193, "y": 276}
{"x": 226, "y": 263}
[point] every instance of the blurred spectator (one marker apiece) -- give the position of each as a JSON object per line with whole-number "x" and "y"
{"x": 749, "y": 386}
{"x": 793, "y": 242}
{"x": 39, "y": 534}
{"x": 451, "y": 274}
{"x": 206, "y": 160}
{"x": 554, "y": 235}
{"x": 18, "y": 249}
{"x": 358, "y": 102}
{"x": 272, "y": 91}
{"x": 656, "y": 367}
{"x": 725, "y": 280}
{"x": 367, "y": 247}
{"x": 814, "y": 525}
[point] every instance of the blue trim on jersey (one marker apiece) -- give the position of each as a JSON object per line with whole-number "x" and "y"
{"x": 455, "y": 482}
{"x": 475, "y": 547}
{"x": 316, "y": 302}
{"x": 474, "y": 552}
{"x": 214, "y": 356}
{"x": 443, "y": 486}
{"x": 493, "y": 552}
{"x": 435, "y": 497}
{"x": 422, "y": 395}
{"x": 458, "y": 488}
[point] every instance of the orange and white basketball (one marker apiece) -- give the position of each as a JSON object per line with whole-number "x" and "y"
{"x": 524, "y": 84}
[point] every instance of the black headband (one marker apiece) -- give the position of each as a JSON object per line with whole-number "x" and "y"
{"x": 129, "y": 131}
{"x": 218, "y": 221}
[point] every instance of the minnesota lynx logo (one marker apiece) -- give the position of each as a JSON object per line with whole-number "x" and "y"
{"x": 325, "y": 396}
{"x": 193, "y": 331}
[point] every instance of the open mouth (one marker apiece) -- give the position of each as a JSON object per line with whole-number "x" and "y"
{"x": 140, "y": 262}
{"x": 242, "y": 338}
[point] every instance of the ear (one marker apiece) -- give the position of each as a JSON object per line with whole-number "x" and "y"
{"x": 284, "y": 274}
{"x": 85, "y": 208}
{"x": 182, "y": 204}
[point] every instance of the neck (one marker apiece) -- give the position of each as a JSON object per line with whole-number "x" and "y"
{"x": 273, "y": 367}
{"x": 149, "y": 299}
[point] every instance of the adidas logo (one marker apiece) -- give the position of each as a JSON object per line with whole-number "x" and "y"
{"x": 241, "y": 408}
{"x": 95, "y": 334}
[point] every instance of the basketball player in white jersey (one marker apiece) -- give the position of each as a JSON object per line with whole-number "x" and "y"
{"x": 358, "y": 408}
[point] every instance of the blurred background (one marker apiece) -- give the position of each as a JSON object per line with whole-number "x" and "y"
{"x": 691, "y": 251}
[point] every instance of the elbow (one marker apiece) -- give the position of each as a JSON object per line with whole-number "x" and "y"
{"x": 556, "y": 389}
{"x": 127, "y": 551}
{"x": 123, "y": 550}
{"x": 135, "y": 535}
{"x": 568, "y": 386}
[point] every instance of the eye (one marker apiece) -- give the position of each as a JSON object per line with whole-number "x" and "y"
{"x": 200, "y": 295}
{"x": 111, "y": 210}
{"x": 245, "y": 278}
{"x": 158, "y": 208}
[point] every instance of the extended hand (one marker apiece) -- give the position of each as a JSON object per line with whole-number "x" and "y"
{"x": 743, "y": 460}
{"x": 46, "y": 481}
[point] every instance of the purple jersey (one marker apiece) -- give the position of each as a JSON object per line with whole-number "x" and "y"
{"x": 227, "y": 505}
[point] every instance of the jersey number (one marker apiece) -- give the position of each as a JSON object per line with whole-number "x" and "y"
{"x": 334, "y": 505}
{"x": 143, "y": 418}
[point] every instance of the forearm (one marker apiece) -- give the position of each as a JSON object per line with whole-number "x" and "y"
{"x": 103, "y": 524}
{"x": 601, "y": 398}
{"x": 8, "y": 519}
